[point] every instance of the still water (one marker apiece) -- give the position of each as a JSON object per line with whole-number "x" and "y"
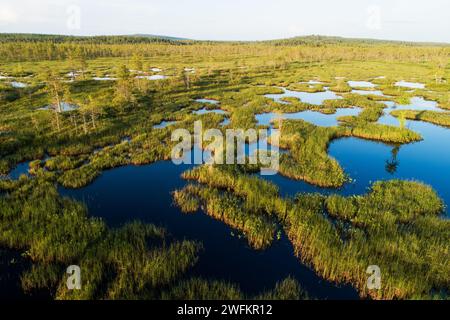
{"x": 366, "y": 161}
{"x": 316, "y": 98}
{"x": 129, "y": 193}
{"x": 144, "y": 193}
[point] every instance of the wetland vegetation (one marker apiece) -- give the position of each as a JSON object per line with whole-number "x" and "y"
{"x": 75, "y": 109}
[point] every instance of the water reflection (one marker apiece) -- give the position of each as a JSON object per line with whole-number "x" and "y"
{"x": 314, "y": 117}
{"x": 164, "y": 124}
{"x": 361, "y": 84}
{"x": 65, "y": 107}
{"x": 208, "y": 101}
{"x": 206, "y": 111}
{"x": 393, "y": 163}
{"x": 366, "y": 161}
{"x": 316, "y": 98}
{"x": 412, "y": 85}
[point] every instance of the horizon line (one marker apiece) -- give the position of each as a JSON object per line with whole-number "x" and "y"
{"x": 181, "y": 38}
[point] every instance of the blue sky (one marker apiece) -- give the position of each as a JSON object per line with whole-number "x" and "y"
{"x": 415, "y": 20}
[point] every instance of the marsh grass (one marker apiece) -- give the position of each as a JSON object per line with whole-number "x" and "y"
{"x": 304, "y": 87}
{"x": 391, "y": 227}
{"x": 308, "y": 159}
{"x": 231, "y": 210}
{"x": 135, "y": 261}
{"x": 200, "y": 289}
{"x": 383, "y": 203}
{"x": 56, "y": 232}
{"x": 439, "y": 118}
{"x": 64, "y": 163}
{"x": 385, "y": 133}
{"x": 341, "y": 86}
{"x": 337, "y": 237}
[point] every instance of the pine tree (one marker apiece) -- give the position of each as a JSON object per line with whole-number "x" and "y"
{"x": 124, "y": 95}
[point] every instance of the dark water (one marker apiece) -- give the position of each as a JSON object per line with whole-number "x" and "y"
{"x": 144, "y": 193}
{"x": 12, "y": 264}
{"x": 20, "y": 169}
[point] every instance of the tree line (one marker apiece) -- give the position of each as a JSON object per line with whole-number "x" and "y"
{"x": 43, "y": 47}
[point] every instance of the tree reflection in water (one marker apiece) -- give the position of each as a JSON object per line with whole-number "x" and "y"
{"x": 392, "y": 164}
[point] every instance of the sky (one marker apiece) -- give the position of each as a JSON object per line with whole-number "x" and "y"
{"x": 411, "y": 20}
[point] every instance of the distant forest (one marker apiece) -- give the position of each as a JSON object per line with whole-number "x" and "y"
{"x": 128, "y": 39}
{"x": 36, "y": 47}
{"x": 141, "y": 38}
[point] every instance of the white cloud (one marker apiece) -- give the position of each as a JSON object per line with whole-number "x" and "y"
{"x": 7, "y": 15}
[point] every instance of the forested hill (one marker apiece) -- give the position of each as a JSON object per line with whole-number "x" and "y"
{"x": 326, "y": 40}
{"x": 314, "y": 40}
{"x": 126, "y": 39}
{"x": 35, "y": 47}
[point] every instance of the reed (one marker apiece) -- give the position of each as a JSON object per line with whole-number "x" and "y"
{"x": 439, "y": 118}
{"x": 257, "y": 228}
{"x": 396, "y": 226}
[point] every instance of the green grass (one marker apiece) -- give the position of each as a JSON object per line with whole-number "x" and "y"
{"x": 341, "y": 86}
{"x": 385, "y": 133}
{"x": 308, "y": 159}
{"x": 200, "y": 289}
{"x": 439, "y": 118}
{"x": 396, "y": 225}
{"x": 395, "y": 201}
{"x": 257, "y": 228}
{"x": 136, "y": 261}
{"x": 340, "y": 237}
{"x": 56, "y": 232}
